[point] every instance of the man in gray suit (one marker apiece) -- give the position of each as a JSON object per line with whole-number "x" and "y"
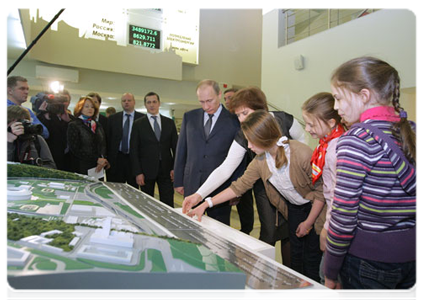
{"x": 204, "y": 140}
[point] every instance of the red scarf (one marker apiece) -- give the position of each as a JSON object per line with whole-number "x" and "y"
{"x": 318, "y": 157}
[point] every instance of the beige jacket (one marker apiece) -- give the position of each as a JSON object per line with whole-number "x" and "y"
{"x": 300, "y": 174}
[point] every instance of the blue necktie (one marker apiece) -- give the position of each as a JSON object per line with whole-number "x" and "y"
{"x": 125, "y": 136}
{"x": 156, "y": 128}
{"x": 207, "y": 127}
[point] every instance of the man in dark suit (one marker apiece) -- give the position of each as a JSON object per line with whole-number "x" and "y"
{"x": 205, "y": 138}
{"x": 118, "y": 140}
{"x": 153, "y": 146}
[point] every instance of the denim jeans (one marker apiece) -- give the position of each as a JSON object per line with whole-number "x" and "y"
{"x": 358, "y": 273}
{"x": 305, "y": 251}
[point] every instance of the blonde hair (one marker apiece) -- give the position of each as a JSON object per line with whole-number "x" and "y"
{"x": 262, "y": 130}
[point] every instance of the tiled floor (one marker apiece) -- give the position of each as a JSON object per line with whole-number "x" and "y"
{"x": 234, "y": 222}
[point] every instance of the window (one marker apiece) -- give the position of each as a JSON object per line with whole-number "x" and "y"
{"x": 297, "y": 24}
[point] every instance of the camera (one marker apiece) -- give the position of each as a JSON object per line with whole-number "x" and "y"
{"x": 46, "y": 102}
{"x": 29, "y": 128}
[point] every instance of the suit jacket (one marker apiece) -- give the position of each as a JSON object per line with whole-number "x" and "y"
{"x": 103, "y": 121}
{"x": 146, "y": 149}
{"x": 114, "y": 135}
{"x": 197, "y": 157}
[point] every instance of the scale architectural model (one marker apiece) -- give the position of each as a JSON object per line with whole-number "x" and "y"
{"x": 80, "y": 234}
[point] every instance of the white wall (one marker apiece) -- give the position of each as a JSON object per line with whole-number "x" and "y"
{"x": 386, "y": 34}
{"x": 229, "y": 52}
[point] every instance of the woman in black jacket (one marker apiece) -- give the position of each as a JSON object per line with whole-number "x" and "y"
{"x": 86, "y": 139}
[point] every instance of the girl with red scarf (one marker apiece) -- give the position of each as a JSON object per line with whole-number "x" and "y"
{"x": 323, "y": 122}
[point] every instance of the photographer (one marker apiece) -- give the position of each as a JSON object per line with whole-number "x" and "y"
{"x": 53, "y": 114}
{"x": 24, "y": 143}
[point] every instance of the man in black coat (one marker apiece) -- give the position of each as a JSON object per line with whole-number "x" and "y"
{"x": 204, "y": 141}
{"x": 99, "y": 118}
{"x": 153, "y": 146}
{"x": 118, "y": 141}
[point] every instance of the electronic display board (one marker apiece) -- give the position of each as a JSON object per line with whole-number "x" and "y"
{"x": 145, "y": 37}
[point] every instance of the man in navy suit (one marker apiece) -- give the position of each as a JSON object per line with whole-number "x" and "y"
{"x": 118, "y": 140}
{"x": 204, "y": 140}
{"x": 153, "y": 146}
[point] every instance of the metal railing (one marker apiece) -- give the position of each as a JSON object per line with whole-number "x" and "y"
{"x": 273, "y": 107}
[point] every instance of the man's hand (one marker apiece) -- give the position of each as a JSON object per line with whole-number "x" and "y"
{"x": 101, "y": 163}
{"x": 190, "y": 201}
{"x": 16, "y": 129}
{"x": 140, "y": 179}
{"x": 180, "y": 190}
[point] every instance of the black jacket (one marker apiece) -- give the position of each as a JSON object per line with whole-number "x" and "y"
{"x": 146, "y": 149}
{"x": 85, "y": 146}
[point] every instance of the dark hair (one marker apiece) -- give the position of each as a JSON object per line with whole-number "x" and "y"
{"x": 78, "y": 107}
{"x": 12, "y": 81}
{"x": 66, "y": 93}
{"x": 321, "y": 106}
{"x": 151, "y": 94}
{"x": 230, "y": 90}
{"x": 262, "y": 129}
{"x": 111, "y": 110}
{"x": 209, "y": 82}
{"x": 251, "y": 97}
{"x": 91, "y": 95}
{"x": 383, "y": 80}
{"x": 16, "y": 112}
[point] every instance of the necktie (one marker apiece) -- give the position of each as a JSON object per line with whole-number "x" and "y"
{"x": 125, "y": 135}
{"x": 156, "y": 128}
{"x": 208, "y": 125}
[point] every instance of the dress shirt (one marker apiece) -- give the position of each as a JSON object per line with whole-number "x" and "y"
{"x": 151, "y": 120}
{"x": 131, "y": 121}
{"x": 281, "y": 180}
{"x": 214, "y": 119}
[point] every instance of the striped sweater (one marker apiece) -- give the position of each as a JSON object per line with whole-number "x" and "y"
{"x": 374, "y": 207}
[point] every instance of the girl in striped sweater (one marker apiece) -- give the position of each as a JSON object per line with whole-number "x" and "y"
{"x": 371, "y": 240}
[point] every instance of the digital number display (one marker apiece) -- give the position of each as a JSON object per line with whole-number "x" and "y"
{"x": 145, "y": 37}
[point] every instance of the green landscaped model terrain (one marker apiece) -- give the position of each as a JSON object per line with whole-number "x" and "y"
{"x": 69, "y": 228}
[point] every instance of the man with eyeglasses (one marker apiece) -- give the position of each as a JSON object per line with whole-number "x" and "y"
{"x": 204, "y": 140}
